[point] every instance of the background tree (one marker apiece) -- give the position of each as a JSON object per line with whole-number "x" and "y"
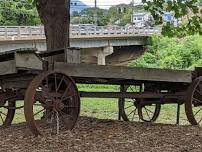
{"x": 55, "y": 15}
{"x": 187, "y": 10}
{"x": 172, "y": 53}
{"x": 87, "y": 16}
{"x": 200, "y": 2}
{"x": 18, "y": 12}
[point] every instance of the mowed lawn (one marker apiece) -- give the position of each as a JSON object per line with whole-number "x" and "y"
{"x": 108, "y": 108}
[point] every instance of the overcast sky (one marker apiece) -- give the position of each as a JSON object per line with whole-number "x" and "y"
{"x": 108, "y": 3}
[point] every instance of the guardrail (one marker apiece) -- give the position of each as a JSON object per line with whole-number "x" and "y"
{"x": 12, "y": 32}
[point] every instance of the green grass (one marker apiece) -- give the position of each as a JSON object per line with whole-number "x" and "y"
{"x": 108, "y": 108}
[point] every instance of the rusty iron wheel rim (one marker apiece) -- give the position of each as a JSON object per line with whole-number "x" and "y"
{"x": 193, "y": 103}
{"x": 149, "y": 113}
{"x": 51, "y": 93}
{"x": 129, "y": 107}
{"x": 134, "y": 111}
{"x": 7, "y": 109}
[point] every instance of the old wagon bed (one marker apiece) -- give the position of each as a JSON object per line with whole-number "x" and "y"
{"x": 124, "y": 73}
{"x": 29, "y": 59}
{"x": 48, "y": 81}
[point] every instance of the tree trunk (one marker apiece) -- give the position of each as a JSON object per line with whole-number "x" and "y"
{"x": 55, "y": 16}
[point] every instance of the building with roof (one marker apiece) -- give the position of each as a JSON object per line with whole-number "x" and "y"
{"x": 143, "y": 19}
{"x": 77, "y": 6}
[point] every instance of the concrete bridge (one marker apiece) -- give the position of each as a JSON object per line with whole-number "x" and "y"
{"x": 99, "y": 45}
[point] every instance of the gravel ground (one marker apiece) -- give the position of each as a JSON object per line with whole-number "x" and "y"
{"x": 94, "y": 135}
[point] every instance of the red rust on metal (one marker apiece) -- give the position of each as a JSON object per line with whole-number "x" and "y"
{"x": 65, "y": 105}
{"x": 7, "y": 106}
{"x": 193, "y": 104}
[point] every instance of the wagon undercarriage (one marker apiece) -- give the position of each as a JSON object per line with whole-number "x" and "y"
{"x": 52, "y": 100}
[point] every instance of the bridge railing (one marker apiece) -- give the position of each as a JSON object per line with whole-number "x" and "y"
{"x": 12, "y": 32}
{"x": 21, "y": 31}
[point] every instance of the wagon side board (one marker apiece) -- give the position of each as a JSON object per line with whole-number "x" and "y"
{"x": 125, "y": 73}
{"x": 20, "y": 60}
{"x": 25, "y": 60}
{"x": 7, "y": 67}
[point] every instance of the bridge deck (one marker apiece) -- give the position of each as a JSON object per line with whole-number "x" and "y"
{"x": 20, "y": 32}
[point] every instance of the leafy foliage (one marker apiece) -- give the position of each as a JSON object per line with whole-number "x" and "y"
{"x": 172, "y": 53}
{"x": 186, "y": 10}
{"x": 105, "y": 17}
{"x": 18, "y": 12}
{"x": 89, "y": 15}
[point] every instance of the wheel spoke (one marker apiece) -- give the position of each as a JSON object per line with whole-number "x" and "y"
{"x": 55, "y": 76}
{"x": 38, "y": 104}
{"x": 133, "y": 101}
{"x": 49, "y": 114}
{"x": 134, "y": 114}
{"x": 58, "y": 123}
{"x": 65, "y": 115}
{"x": 131, "y": 89}
{"x": 1, "y": 118}
{"x": 68, "y": 97}
{"x": 149, "y": 110}
{"x": 3, "y": 113}
{"x": 47, "y": 82}
{"x": 58, "y": 87}
{"x": 62, "y": 113}
{"x": 200, "y": 121}
{"x": 66, "y": 91}
{"x": 129, "y": 106}
{"x": 199, "y": 92}
{"x": 6, "y": 107}
{"x": 147, "y": 113}
{"x": 71, "y": 107}
{"x": 39, "y": 112}
{"x": 131, "y": 112}
{"x": 197, "y": 112}
{"x": 197, "y": 100}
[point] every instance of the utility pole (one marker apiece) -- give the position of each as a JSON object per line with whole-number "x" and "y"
{"x": 133, "y": 2}
{"x": 95, "y": 15}
{"x": 95, "y": 3}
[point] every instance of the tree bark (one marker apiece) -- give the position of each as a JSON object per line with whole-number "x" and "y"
{"x": 55, "y": 16}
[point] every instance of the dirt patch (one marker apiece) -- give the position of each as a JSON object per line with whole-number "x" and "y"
{"x": 94, "y": 135}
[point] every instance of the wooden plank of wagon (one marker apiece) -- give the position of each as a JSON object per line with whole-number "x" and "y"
{"x": 115, "y": 72}
{"x": 28, "y": 60}
{"x": 7, "y": 67}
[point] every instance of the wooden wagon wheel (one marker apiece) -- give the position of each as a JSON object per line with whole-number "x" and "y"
{"x": 193, "y": 104}
{"x": 132, "y": 110}
{"x": 149, "y": 112}
{"x": 52, "y": 102}
{"x": 7, "y": 109}
{"x": 7, "y": 112}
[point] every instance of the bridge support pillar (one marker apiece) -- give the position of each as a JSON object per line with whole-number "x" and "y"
{"x": 101, "y": 56}
{"x": 96, "y": 55}
{"x": 101, "y": 59}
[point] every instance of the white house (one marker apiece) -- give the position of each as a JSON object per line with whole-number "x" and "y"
{"x": 143, "y": 19}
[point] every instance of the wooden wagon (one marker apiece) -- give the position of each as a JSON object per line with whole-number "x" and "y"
{"x": 51, "y": 98}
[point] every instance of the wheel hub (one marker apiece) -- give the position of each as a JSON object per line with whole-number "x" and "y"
{"x": 58, "y": 105}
